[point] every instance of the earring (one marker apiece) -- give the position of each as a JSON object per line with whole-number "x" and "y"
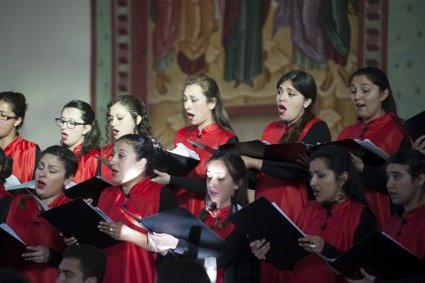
{"x": 340, "y": 197}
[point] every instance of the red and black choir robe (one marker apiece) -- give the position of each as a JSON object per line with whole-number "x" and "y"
{"x": 127, "y": 262}
{"x": 4, "y": 193}
{"x": 213, "y": 136}
{"x": 34, "y": 230}
{"x": 386, "y": 133}
{"x": 87, "y": 164}
{"x": 106, "y": 153}
{"x": 409, "y": 230}
{"x": 290, "y": 196}
{"x": 24, "y": 157}
{"x": 215, "y": 224}
{"x": 337, "y": 228}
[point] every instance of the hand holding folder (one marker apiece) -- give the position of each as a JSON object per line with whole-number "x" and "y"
{"x": 264, "y": 220}
{"x": 80, "y": 220}
{"x": 181, "y": 224}
{"x": 12, "y": 248}
{"x": 379, "y": 255}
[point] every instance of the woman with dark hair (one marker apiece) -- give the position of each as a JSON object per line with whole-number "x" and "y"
{"x": 295, "y": 96}
{"x": 406, "y": 185}
{"x": 132, "y": 165}
{"x": 25, "y": 153}
{"x": 80, "y": 133}
{"x": 6, "y": 164}
{"x": 210, "y": 126}
{"x": 226, "y": 194}
{"x": 55, "y": 170}
{"x": 334, "y": 221}
{"x": 126, "y": 114}
{"x": 372, "y": 97}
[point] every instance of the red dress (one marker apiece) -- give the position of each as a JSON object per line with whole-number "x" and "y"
{"x": 336, "y": 228}
{"x": 87, "y": 164}
{"x": 409, "y": 230}
{"x": 23, "y": 153}
{"x": 213, "y": 136}
{"x": 386, "y": 133}
{"x": 106, "y": 152}
{"x": 290, "y": 196}
{"x": 24, "y": 219}
{"x": 127, "y": 262}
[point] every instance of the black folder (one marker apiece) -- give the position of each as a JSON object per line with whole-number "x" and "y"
{"x": 365, "y": 149}
{"x": 175, "y": 164}
{"x": 287, "y": 152}
{"x": 263, "y": 220}
{"x": 415, "y": 125}
{"x": 90, "y": 188}
{"x": 11, "y": 251}
{"x": 79, "y": 219}
{"x": 379, "y": 255}
{"x": 180, "y": 223}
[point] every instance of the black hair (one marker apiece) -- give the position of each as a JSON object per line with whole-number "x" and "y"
{"x": 338, "y": 160}
{"x": 66, "y": 156}
{"x": 92, "y": 138}
{"x": 92, "y": 260}
{"x": 379, "y": 78}
{"x": 6, "y": 163}
{"x": 145, "y": 147}
{"x": 414, "y": 159}
{"x": 17, "y": 102}
{"x": 305, "y": 84}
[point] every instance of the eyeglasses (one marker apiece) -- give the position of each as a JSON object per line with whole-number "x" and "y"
{"x": 69, "y": 124}
{"x": 4, "y": 117}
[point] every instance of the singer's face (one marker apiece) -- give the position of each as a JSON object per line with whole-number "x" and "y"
{"x": 70, "y": 271}
{"x": 220, "y": 184}
{"x": 198, "y": 109}
{"x": 402, "y": 188}
{"x": 50, "y": 176}
{"x": 125, "y": 166}
{"x": 120, "y": 121}
{"x": 75, "y": 136}
{"x": 323, "y": 181}
{"x": 290, "y": 103}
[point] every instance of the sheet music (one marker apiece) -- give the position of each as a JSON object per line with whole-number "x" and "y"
{"x": 368, "y": 144}
{"x": 290, "y": 221}
{"x": 9, "y": 230}
{"x": 183, "y": 150}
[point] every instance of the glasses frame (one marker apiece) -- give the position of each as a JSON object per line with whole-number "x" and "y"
{"x": 70, "y": 125}
{"x": 7, "y": 117}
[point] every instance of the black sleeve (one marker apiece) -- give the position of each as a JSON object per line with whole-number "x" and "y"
{"x": 366, "y": 226}
{"x": 233, "y": 139}
{"x": 374, "y": 177}
{"x": 283, "y": 170}
{"x": 55, "y": 257}
{"x": 4, "y": 208}
{"x": 37, "y": 159}
{"x": 191, "y": 184}
{"x": 167, "y": 200}
{"x": 318, "y": 133}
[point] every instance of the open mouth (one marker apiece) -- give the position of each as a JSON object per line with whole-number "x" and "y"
{"x": 64, "y": 136}
{"x": 40, "y": 184}
{"x": 212, "y": 193}
{"x": 190, "y": 115}
{"x": 115, "y": 132}
{"x": 281, "y": 108}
